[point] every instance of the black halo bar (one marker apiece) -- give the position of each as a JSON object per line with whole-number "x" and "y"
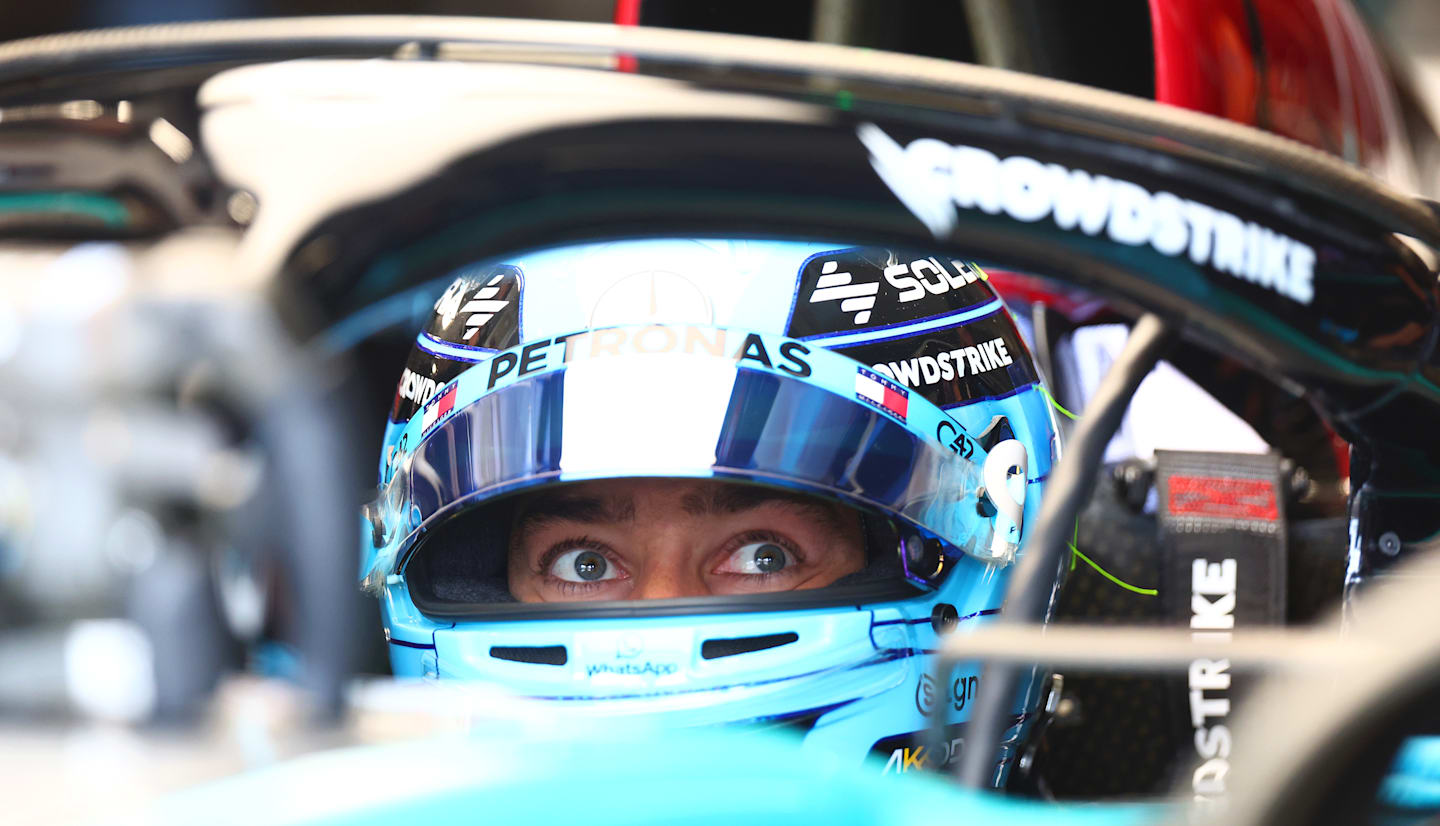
{"x": 1027, "y": 599}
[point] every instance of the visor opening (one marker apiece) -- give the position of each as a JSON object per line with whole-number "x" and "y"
{"x": 534, "y": 654}
{"x": 717, "y": 648}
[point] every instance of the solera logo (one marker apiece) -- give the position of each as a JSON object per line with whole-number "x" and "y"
{"x": 913, "y": 280}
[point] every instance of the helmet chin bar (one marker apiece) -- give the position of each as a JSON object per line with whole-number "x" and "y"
{"x": 1027, "y": 600}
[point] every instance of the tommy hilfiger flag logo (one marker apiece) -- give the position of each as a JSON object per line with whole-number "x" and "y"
{"x": 835, "y": 286}
{"x": 438, "y": 408}
{"x": 881, "y": 392}
{"x": 483, "y": 307}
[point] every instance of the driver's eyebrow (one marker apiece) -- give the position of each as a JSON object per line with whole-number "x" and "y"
{"x": 557, "y": 507}
{"x": 720, "y": 500}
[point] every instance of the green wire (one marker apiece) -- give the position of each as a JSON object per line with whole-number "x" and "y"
{"x": 1075, "y": 540}
{"x": 1063, "y": 411}
{"x": 1149, "y": 592}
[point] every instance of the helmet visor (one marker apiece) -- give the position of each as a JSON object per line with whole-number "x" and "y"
{"x": 735, "y": 407}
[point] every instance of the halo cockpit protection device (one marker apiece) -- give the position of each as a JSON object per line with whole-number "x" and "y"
{"x": 888, "y": 384}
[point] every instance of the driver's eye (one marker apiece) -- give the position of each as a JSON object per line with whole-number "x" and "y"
{"x": 757, "y": 558}
{"x": 582, "y": 565}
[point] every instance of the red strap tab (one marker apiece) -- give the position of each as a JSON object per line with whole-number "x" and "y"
{"x": 1217, "y": 497}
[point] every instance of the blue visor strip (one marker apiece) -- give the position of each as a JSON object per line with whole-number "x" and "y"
{"x": 456, "y": 352}
{"x": 894, "y": 331}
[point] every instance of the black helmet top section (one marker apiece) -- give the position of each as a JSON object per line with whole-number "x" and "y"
{"x": 931, "y": 323}
{"x": 478, "y": 314}
{"x": 854, "y": 290}
{"x": 480, "y": 310}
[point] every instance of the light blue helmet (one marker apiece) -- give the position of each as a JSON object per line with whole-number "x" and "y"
{"x": 889, "y": 382}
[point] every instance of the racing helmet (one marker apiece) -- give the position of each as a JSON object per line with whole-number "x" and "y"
{"x": 884, "y": 392}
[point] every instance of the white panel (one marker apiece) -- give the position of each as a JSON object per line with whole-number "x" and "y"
{"x": 1169, "y": 411}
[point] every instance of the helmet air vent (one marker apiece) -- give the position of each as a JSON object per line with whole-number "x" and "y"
{"x": 536, "y": 654}
{"x": 715, "y": 649}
